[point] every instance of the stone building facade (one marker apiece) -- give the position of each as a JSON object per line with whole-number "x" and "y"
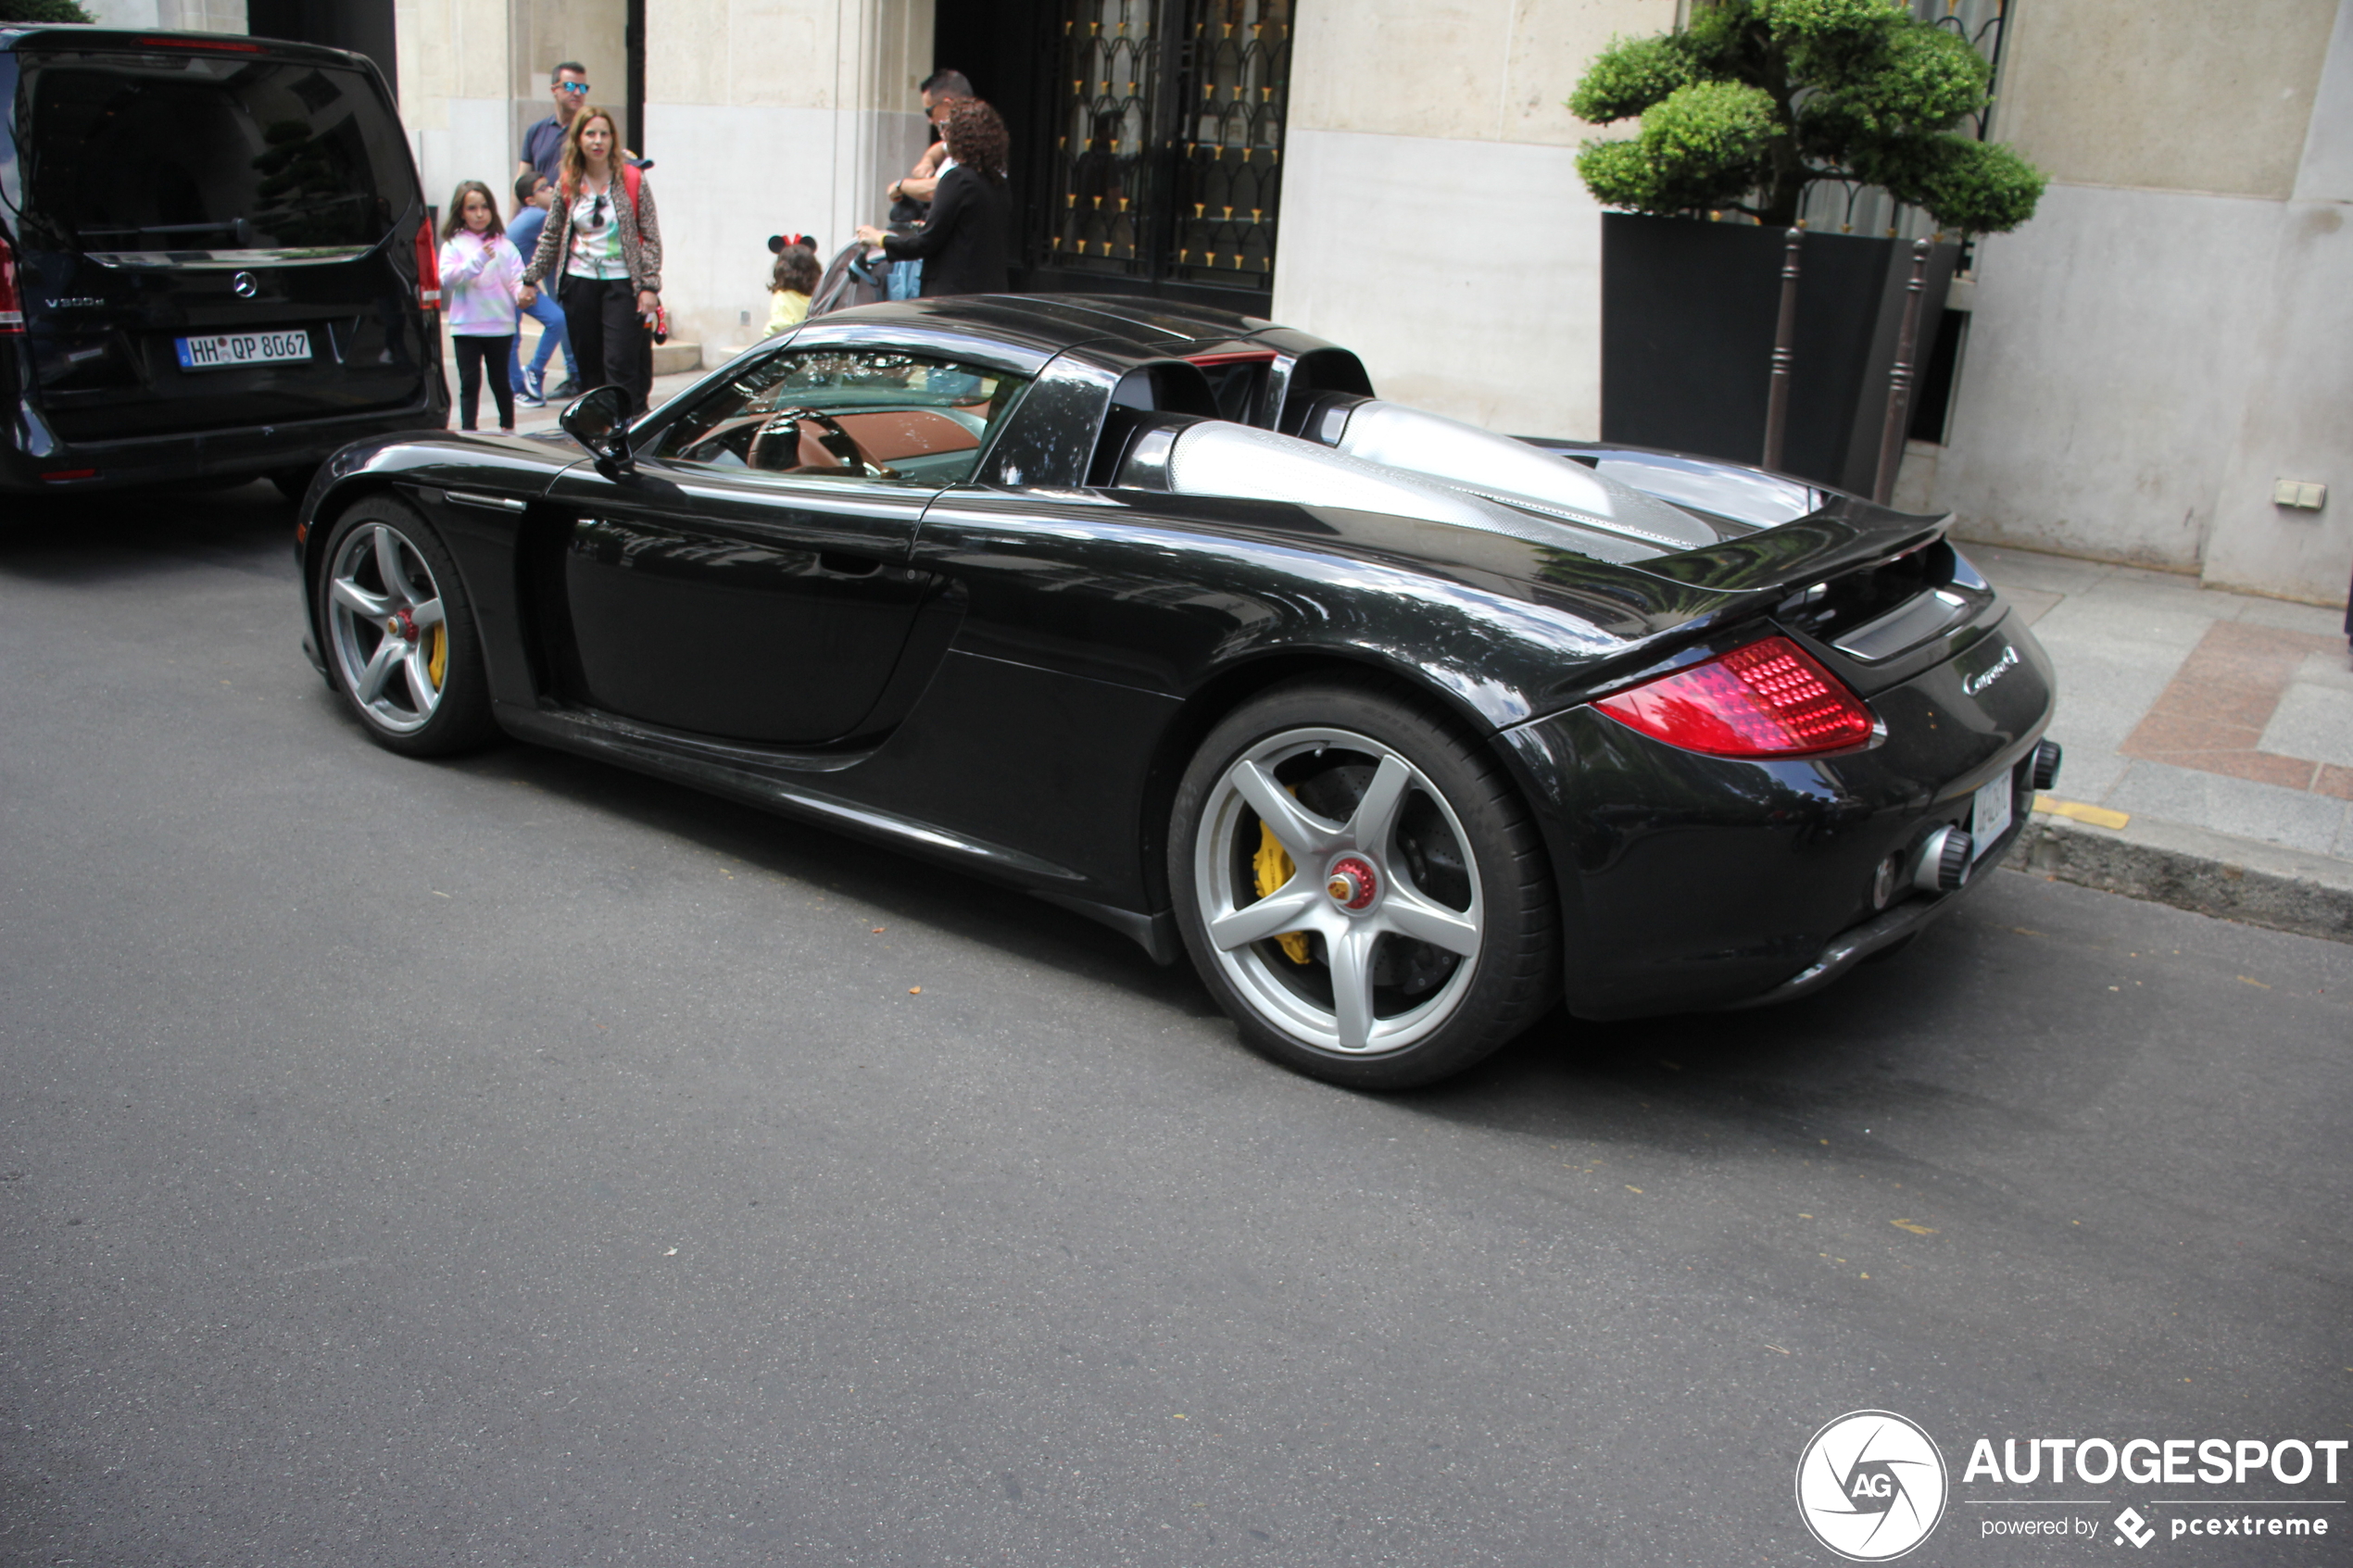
{"x": 2142, "y": 364}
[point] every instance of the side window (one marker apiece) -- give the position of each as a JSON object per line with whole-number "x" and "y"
{"x": 846, "y": 413}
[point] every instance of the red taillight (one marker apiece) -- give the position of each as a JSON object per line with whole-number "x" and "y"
{"x": 1232, "y": 356}
{"x": 203, "y": 44}
{"x": 11, "y": 302}
{"x": 1766, "y": 700}
{"x": 428, "y": 269}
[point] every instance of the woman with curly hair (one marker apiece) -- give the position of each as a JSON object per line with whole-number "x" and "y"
{"x": 964, "y": 246}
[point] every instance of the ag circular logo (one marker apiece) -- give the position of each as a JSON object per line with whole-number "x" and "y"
{"x": 1870, "y": 1486}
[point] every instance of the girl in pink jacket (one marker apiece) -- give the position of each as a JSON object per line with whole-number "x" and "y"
{"x": 479, "y": 277}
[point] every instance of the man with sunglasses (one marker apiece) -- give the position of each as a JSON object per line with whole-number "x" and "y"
{"x": 543, "y": 145}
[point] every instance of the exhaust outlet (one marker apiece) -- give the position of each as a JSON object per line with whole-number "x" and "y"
{"x": 2047, "y": 763}
{"x": 1941, "y": 864}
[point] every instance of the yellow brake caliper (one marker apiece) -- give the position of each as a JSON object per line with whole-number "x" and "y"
{"x": 1273, "y": 867}
{"x": 437, "y": 661}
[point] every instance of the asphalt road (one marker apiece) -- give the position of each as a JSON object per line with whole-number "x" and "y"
{"x": 517, "y": 1161}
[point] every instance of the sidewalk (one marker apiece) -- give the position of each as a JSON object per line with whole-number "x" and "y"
{"x": 2209, "y": 742}
{"x": 528, "y": 420}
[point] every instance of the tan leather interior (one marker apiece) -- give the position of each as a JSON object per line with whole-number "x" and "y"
{"x": 886, "y": 435}
{"x": 892, "y": 433}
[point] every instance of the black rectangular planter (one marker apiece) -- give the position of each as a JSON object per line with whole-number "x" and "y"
{"x": 1688, "y": 312}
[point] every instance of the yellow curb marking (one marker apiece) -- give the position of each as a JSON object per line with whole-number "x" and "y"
{"x": 2098, "y": 816}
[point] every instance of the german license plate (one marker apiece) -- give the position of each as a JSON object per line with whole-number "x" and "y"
{"x": 229, "y": 350}
{"x": 1990, "y": 815}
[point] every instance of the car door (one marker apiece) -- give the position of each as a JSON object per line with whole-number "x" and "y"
{"x": 749, "y": 579}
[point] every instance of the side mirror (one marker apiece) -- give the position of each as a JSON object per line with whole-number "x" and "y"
{"x": 595, "y": 419}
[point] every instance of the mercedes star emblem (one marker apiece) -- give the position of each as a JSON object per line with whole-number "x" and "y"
{"x": 245, "y": 286}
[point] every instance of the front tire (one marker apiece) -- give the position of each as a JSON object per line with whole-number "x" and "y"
{"x": 402, "y": 648}
{"x": 1361, "y": 887}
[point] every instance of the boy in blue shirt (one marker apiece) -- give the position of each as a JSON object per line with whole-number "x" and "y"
{"x": 534, "y": 191}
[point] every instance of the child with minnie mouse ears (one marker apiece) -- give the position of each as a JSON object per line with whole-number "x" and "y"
{"x": 790, "y": 281}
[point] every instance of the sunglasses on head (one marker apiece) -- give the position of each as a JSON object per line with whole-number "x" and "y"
{"x": 578, "y": 89}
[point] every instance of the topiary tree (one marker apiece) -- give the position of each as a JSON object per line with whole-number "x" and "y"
{"x": 1754, "y": 100}
{"x": 42, "y": 11}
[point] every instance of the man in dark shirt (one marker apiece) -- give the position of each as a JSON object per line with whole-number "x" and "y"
{"x": 940, "y": 89}
{"x": 543, "y": 145}
{"x": 911, "y": 196}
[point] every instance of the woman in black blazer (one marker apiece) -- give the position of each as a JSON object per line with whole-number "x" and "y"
{"x": 965, "y": 246}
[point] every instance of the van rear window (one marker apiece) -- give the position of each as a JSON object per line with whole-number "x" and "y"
{"x": 128, "y": 153}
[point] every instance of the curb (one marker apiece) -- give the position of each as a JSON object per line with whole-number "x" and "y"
{"x": 2207, "y": 873}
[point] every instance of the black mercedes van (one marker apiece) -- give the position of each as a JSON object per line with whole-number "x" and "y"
{"x": 215, "y": 260}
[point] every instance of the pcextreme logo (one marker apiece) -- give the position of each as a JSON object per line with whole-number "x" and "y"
{"x": 1870, "y": 1486}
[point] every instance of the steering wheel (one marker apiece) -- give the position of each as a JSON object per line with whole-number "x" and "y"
{"x": 775, "y": 445}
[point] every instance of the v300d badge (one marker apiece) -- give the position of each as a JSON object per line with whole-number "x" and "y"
{"x": 1404, "y": 732}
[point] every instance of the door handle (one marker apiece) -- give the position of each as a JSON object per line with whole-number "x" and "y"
{"x": 834, "y": 563}
{"x": 488, "y": 503}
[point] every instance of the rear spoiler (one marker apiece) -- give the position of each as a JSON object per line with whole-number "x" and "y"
{"x": 1846, "y": 532}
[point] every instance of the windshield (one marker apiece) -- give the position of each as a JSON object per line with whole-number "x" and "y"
{"x": 169, "y": 153}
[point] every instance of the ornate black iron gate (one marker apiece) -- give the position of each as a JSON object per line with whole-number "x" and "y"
{"x": 1165, "y": 172}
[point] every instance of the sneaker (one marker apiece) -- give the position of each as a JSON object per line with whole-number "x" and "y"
{"x": 530, "y": 387}
{"x": 567, "y": 388}
{"x": 525, "y": 400}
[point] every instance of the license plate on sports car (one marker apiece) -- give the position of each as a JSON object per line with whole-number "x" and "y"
{"x": 229, "y": 350}
{"x": 1989, "y": 815}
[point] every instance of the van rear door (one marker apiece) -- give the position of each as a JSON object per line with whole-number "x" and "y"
{"x": 213, "y": 236}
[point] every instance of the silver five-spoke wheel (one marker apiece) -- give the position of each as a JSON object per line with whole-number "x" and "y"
{"x": 1381, "y": 900}
{"x": 1361, "y": 886}
{"x": 391, "y": 613}
{"x": 388, "y": 627}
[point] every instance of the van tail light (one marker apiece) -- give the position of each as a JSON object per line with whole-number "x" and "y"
{"x": 202, "y": 44}
{"x": 428, "y": 269}
{"x": 11, "y": 300}
{"x": 1767, "y": 698}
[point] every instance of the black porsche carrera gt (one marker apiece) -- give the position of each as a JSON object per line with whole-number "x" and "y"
{"x": 1404, "y": 731}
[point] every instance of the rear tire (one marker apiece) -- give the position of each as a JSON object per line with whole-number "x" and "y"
{"x": 401, "y": 648}
{"x": 1361, "y": 887}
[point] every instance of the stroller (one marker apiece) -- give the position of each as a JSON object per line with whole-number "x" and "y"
{"x": 849, "y": 280}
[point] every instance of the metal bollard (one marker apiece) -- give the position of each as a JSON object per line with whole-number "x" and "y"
{"x": 1899, "y": 380}
{"x": 1784, "y": 353}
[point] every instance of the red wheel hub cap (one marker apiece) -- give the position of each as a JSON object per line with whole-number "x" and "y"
{"x": 1352, "y": 883}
